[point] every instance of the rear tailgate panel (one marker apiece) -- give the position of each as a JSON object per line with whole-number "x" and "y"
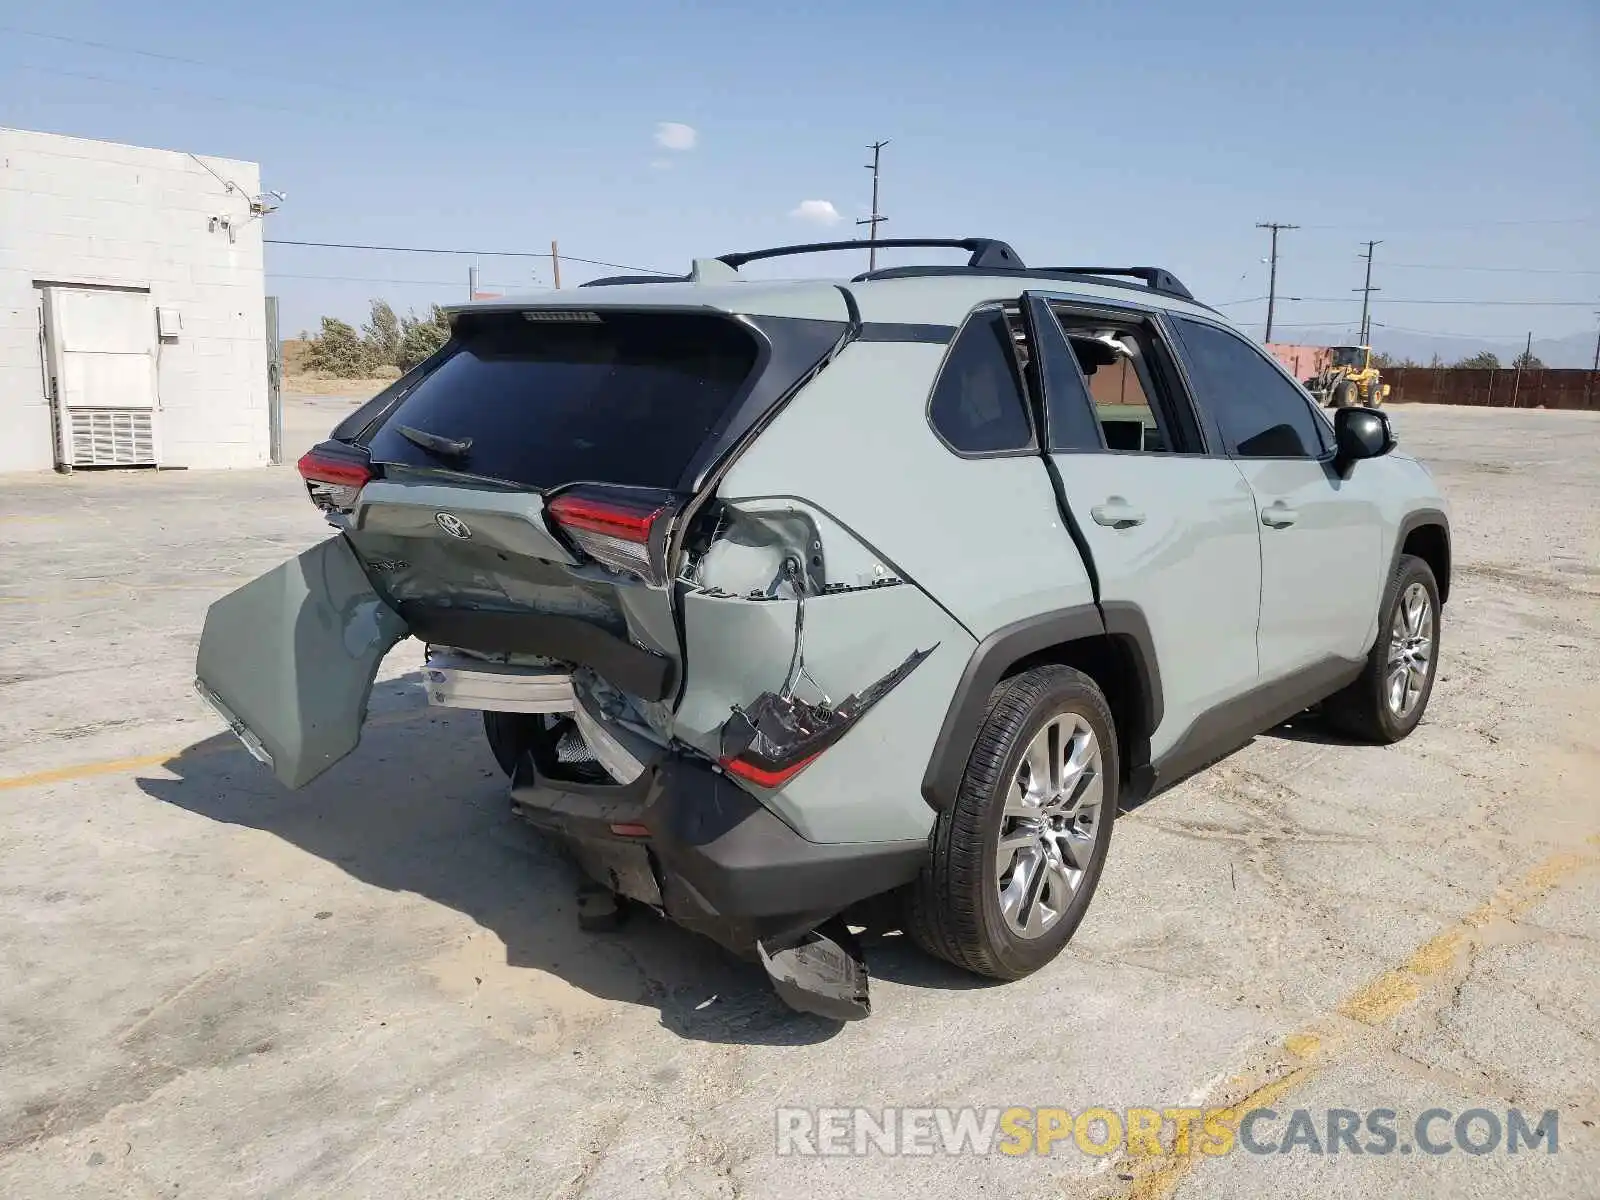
{"x": 292, "y": 656}
{"x": 502, "y": 584}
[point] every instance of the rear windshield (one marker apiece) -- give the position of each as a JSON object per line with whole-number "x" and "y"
{"x": 620, "y": 397}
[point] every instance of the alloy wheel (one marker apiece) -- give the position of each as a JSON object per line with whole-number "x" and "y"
{"x": 1049, "y": 824}
{"x": 1410, "y": 650}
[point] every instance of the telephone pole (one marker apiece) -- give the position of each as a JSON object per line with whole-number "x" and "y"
{"x": 876, "y": 218}
{"x": 1522, "y": 362}
{"x": 1366, "y": 291}
{"x": 1588, "y": 383}
{"x": 1272, "y": 278}
{"x": 555, "y": 263}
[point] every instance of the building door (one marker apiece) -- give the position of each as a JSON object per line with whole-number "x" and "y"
{"x": 101, "y": 359}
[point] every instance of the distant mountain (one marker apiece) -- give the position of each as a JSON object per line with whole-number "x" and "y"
{"x": 1574, "y": 350}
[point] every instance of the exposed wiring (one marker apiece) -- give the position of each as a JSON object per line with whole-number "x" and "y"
{"x": 227, "y": 183}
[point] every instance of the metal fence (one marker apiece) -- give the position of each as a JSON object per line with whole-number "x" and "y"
{"x": 1503, "y": 388}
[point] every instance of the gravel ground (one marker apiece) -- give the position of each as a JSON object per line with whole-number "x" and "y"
{"x": 375, "y": 987}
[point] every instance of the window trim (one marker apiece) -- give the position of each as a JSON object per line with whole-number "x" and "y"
{"x": 1324, "y": 425}
{"x": 1032, "y": 449}
{"x": 1173, "y": 393}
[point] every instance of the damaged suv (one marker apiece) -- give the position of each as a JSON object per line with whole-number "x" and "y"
{"x": 781, "y": 597}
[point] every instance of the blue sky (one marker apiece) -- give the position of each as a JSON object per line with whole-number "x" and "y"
{"x": 1464, "y": 134}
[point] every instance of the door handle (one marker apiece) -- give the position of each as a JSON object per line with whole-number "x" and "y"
{"x": 1279, "y": 515}
{"x": 1116, "y": 513}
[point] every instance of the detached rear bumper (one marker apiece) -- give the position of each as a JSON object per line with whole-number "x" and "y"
{"x": 708, "y": 853}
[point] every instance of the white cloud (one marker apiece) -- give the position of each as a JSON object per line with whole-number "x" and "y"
{"x": 818, "y": 212}
{"x": 661, "y": 164}
{"x": 671, "y": 135}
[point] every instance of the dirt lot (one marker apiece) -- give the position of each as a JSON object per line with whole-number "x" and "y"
{"x": 375, "y": 987}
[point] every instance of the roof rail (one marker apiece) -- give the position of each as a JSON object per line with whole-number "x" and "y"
{"x": 1165, "y": 282}
{"x": 986, "y": 253}
{"x": 1157, "y": 279}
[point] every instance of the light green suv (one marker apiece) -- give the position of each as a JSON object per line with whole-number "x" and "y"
{"x": 781, "y": 597}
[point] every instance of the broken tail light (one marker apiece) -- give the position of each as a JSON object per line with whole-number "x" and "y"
{"x": 334, "y": 475}
{"x": 778, "y": 735}
{"x": 624, "y": 529}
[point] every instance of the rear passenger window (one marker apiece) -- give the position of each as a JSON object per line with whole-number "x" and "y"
{"x": 977, "y": 405}
{"x": 1261, "y": 413}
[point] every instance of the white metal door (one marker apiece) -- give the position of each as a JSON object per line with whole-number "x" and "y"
{"x": 103, "y": 376}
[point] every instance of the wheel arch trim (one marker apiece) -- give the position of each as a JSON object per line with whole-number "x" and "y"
{"x": 997, "y": 654}
{"x": 1423, "y": 518}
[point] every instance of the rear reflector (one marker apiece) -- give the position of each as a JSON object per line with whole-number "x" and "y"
{"x": 764, "y": 776}
{"x": 629, "y": 829}
{"x": 623, "y": 530}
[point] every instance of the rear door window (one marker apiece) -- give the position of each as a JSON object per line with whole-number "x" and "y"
{"x": 549, "y": 399}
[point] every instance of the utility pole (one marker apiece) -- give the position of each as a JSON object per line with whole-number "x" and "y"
{"x": 876, "y": 218}
{"x": 555, "y": 263}
{"x": 1527, "y": 354}
{"x": 1272, "y": 279}
{"x": 1588, "y": 384}
{"x": 472, "y": 282}
{"x": 1366, "y": 291}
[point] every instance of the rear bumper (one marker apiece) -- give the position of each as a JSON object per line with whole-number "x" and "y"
{"x": 714, "y": 859}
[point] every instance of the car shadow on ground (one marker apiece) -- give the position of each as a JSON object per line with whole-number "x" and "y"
{"x": 419, "y": 807}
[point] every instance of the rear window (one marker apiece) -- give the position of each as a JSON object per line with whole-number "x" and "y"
{"x": 623, "y": 398}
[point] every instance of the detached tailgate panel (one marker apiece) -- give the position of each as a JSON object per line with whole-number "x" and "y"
{"x": 291, "y": 658}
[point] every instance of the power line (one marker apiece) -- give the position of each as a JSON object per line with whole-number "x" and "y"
{"x": 1471, "y": 225}
{"x": 540, "y": 254}
{"x": 367, "y": 279}
{"x": 1468, "y": 303}
{"x": 72, "y": 41}
{"x": 1476, "y": 267}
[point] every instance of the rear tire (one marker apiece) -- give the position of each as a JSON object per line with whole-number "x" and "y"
{"x": 1042, "y": 776}
{"x": 509, "y": 735}
{"x": 1387, "y": 700}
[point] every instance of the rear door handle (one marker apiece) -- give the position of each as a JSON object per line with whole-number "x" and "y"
{"x": 1116, "y": 513}
{"x": 1279, "y": 515}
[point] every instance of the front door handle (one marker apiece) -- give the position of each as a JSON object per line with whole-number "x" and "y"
{"x": 1279, "y": 515}
{"x": 1116, "y": 513}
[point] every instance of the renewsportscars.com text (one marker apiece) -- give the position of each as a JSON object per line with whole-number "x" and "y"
{"x": 828, "y": 1132}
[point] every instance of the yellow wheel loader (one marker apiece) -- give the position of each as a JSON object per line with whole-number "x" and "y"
{"x": 1349, "y": 380}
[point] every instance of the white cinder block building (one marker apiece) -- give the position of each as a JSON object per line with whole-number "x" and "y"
{"x": 132, "y": 324}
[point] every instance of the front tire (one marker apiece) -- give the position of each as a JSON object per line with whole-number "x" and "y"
{"x": 1345, "y": 395}
{"x": 1387, "y": 700}
{"x": 1014, "y": 862}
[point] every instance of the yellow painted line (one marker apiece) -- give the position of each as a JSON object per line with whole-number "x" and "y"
{"x": 85, "y": 770}
{"x": 115, "y": 766}
{"x": 1307, "y": 1051}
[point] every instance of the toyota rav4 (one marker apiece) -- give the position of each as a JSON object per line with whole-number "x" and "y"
{"x": 778, "y": 597}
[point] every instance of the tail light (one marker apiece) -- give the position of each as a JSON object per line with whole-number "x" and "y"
{"x": 625, "y": 530}
{"x": 335, "y": 475}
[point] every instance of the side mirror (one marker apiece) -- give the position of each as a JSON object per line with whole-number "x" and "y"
{"x": 1360, "y": 433}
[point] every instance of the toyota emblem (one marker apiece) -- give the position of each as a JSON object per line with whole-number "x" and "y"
{"x": 453, "y": 525}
